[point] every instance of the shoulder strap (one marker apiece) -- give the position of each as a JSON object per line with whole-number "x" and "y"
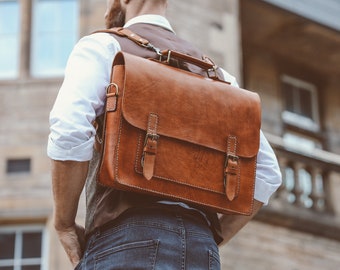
{"x": 166, "y": 55}
{"x": 125, "y": 32}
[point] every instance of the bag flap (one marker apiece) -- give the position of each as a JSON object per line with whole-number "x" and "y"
{"x": 189, "y": 107}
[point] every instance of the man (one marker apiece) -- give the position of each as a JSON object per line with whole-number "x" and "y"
{"x": 129, "y": 231}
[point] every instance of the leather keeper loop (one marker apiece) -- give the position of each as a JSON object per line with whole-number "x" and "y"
{"x": 231, "y": 170}
{"x": 150, "y": 147}
{"x": 112, "y": 97}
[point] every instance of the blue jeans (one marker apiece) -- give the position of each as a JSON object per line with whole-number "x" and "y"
{"x": 153, "y": 237}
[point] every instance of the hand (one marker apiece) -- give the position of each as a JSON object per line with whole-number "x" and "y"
{"x": 73, "y": 241}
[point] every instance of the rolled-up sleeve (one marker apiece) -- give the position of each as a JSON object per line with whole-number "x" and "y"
{"x": 268, "y": 174}
{"x": 81, "y": 98}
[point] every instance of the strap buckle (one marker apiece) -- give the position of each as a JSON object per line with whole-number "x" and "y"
{"x": 151, "y": 136}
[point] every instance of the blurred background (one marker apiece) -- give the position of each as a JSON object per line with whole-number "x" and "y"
{"x": 286, "y": 50}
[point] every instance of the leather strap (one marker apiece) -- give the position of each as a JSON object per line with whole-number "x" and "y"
{"x": 232, "y": 169}
{"x": 125, "y": 32}
{"x": 150, "y": 147}
{"x": 206, "y": 63}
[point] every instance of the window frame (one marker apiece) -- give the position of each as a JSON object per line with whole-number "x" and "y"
{"x": 17, "y": 262}
{"x": 297, "y": 120}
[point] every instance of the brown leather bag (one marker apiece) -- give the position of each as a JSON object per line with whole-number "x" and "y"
{"x": 174, "y": 134}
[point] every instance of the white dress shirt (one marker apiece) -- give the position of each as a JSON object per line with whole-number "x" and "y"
{"x": 81, "y": 99}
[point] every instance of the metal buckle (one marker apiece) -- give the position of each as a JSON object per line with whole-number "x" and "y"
{"x": 232, "y": 158}
{"x": 108, "y": 88}
{"x": 151, "y": 47}
{"x": 214, "y": 71}
{"x": 153, "y": 137}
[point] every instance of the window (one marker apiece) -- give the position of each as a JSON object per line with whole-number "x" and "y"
{"x": 9, "y": 36}
{"x": 23, "y": 248}
{"x": 54, "y": 33}
{"x": 51, "y": 29}
{"x": 19, "y": 165}
{"x": 300, "y": 102}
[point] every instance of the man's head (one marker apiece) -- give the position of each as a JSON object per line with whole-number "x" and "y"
{"x": 120, "y": 11}
{"x": 114, "y": 15}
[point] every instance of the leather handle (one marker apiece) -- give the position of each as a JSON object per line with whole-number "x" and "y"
{"x": 168, "y": 54}
{"x": 205, "y": 64}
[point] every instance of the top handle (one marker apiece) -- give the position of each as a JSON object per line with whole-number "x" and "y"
{"x": 209, "y": 67}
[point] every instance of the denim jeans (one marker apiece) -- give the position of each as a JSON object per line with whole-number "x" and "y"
{"x": 153, "y": 237}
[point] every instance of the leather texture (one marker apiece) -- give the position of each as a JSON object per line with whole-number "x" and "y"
{"x": 178, "y": 135}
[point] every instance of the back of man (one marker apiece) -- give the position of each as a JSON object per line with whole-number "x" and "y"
{"x": 106, "y": 205}
{"x": 125, "y": 230}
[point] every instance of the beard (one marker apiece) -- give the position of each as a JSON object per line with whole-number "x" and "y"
{"x": 115, "y": 17}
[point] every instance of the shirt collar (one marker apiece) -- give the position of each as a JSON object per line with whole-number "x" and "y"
{"x": 150, "y": 19}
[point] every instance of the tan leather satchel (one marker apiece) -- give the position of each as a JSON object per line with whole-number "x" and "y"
{"x": 180, "y": 136}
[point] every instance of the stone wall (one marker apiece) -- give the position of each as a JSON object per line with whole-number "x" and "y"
{"x": 264, "y": 247}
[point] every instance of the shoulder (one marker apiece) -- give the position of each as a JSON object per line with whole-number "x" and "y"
{"x": 97, "y": 43}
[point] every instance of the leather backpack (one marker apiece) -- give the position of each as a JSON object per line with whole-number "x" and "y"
{"x": 178, "y": 135}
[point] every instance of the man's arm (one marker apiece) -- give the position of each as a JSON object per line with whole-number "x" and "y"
{"x": 232, "y": 224}
{"x": 68, "y": 179}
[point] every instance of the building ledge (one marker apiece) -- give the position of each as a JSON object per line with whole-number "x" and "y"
{"x": 329, "y": 159}
{"x": 303, "y": 220}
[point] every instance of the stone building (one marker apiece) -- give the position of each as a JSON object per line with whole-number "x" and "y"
{"x": 286, "y": 50}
